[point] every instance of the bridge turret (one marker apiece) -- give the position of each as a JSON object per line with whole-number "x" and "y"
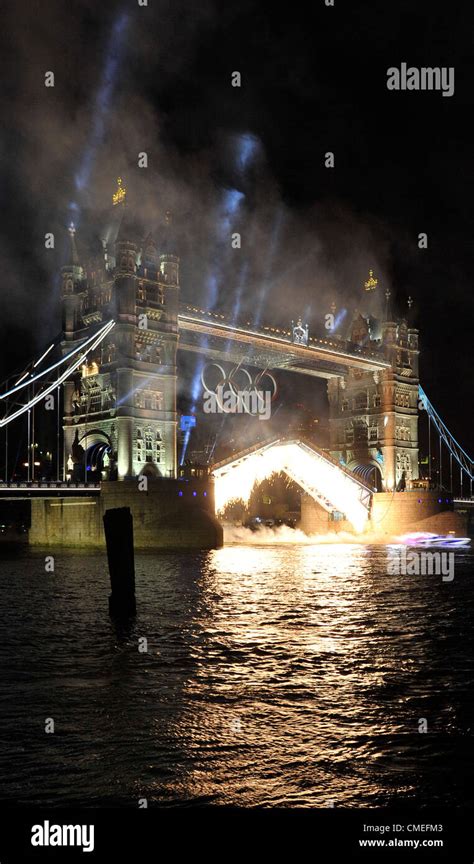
{"x": 413, "y": 350}
{"x": 149, "y": 260}
{"x": 169, "y": 260}
{"x": 96, "y": 263}
{"x": 413, "y": 333}
{"x": 73, "y": 288}
{"x": 389, "y": 339}
{"x": 126, "y": 254}
{"x": 126, "y": 246}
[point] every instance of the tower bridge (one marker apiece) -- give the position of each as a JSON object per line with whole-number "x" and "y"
{"x": 115, "y": 382}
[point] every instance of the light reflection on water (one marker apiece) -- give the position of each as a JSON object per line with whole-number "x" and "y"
{"x": 275, "y": 675}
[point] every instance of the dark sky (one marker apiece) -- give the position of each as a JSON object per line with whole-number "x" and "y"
{"x": 313, "y": 80}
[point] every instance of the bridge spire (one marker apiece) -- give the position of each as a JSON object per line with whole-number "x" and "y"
{"x": 388, "y": 305}
{"x": 73, "y": 254}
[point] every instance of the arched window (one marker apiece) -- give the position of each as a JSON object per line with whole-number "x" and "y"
{"x": 149, "y": 445}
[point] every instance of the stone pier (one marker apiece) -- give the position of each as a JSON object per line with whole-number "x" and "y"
{"x": 171, "y": 514}
{"x": 392, "y": 514}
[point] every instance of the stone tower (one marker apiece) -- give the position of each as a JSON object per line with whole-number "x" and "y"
{"x": 120, "y": 408}
{"x": 374, "y": 416}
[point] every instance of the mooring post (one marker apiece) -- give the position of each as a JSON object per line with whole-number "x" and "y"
{"x": 118, "y": 527}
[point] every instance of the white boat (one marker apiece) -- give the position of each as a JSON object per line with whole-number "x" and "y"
{"x": 426, "y": 538}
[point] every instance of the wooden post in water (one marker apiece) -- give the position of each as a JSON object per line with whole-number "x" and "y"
{"x": 118, "y": 527}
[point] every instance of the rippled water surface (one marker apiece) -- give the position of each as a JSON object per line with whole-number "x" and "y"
{"x": 275, "y": 675}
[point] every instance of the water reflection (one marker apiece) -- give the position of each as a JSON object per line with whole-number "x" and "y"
{"x": 275, "y": 675}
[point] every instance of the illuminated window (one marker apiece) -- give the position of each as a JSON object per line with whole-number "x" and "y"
{"x": 149, "y": 445}
{"x": 89, "y": 369}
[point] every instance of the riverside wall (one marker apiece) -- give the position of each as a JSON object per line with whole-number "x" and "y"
{"x": 392, "y": 514}
{"x": 171, "y": 514}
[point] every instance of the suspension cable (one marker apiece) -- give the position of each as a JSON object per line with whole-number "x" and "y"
{"x": 25, "y": 383}
{"x": 455, "y": 449}
{"x": 72, "y": 368}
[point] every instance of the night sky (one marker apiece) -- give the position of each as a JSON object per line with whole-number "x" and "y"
{"x": 313, "y": 80}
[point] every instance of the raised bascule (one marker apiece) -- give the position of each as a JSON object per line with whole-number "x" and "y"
{"x": 122, "y": 326}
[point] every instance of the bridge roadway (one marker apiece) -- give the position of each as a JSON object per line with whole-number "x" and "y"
{"x": 46, "y": 489}
{"x": 212, "y": 334}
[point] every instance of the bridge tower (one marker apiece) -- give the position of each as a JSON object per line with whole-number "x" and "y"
{"x": 120, "y": 415}
{"x": 374, "y": 416}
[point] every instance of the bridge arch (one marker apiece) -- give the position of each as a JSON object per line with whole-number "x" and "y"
{"x": 370, "y": 472}
{"x": 93, "y": 436}
{"x": 98, "y": 449}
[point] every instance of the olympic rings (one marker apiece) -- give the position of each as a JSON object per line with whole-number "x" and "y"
{"x": 229, "y": 382}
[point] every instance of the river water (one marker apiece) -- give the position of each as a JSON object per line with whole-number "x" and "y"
{"x": 276, "y": 674}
